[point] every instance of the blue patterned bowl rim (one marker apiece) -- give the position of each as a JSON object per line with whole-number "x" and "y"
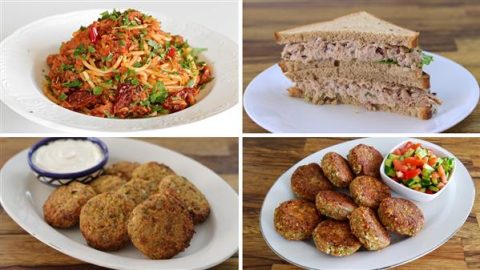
{"x": 46, "y": 141}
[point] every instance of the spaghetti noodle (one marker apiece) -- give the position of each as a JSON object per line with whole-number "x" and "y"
{"x": 125, "y": 66}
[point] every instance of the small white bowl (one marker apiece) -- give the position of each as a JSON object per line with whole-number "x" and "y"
{"x": 411, "y": 193}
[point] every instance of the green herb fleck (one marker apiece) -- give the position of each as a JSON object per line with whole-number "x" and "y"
{"x": 108, "y": 58}
{"x": 159, "y": 93}
{"x": 97, "y": 90}
{"x": 426, "y": 59}
{"x": 91, "y": 49}
{"x": 62, "y": 96}
{"x": 73, "y": 84}
{"x": 388, "y": 61}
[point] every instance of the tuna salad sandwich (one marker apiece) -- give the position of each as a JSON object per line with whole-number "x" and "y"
{"x": 358, "y": 59}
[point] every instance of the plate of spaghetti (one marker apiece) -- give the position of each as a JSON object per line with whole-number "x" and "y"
{"x": 117, "y": 71}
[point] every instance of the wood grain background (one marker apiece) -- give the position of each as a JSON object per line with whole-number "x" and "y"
{"x": 448, "y": 27}
{"x": 265, "y": 159}
{"x": 19, "y": 250}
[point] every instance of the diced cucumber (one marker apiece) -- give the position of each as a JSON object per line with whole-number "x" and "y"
{"x": 390, "y": 171}
{"x": 421, "y": 152}
{"x": 417, "y": 179}
{"x": 433, "y": 188}
{"x": 427, "y": 171}
{"x": 425, "y": 183}
{"x": 435, "y": 181}
{"x": 393, "y": 156}
{"x": 409, "y": 153}
{"x": 388, "y": 162}
{"x": 410, "y": 183}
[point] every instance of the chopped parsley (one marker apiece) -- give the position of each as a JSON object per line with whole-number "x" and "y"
{"x": 62, "y": 96}
{"x": 159, "y": 93}
{"x": 73, "y": 84}
{"x": 108, "y": 58}
{"x": 426, "y": 59}
{"x": 112, "y": 16}
{"x": 67, "y": 67}
{"x": 91, "y": 49}
{"x": 137, "y": 64}
{"x": 121, "y": 42}
{"x": 97, "y": 90}
{"x": 80, "y": 51}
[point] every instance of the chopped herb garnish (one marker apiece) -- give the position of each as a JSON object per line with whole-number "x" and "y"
{"x": 153, "y": 44}
{"x": 117, "y": 77}
{"x": 73, "y": 84}
{"x": 137, "y": 64}
{"x": 112, "y": 16}
{"x": 159, "y": 93}
{"x": 91, "y": 49}
{"x": 426, "y": 59}
{"x": 97, "y": 90}
{"x": 82, "y": 28}
{"x": 67, "y": 67}
{"x": 134, "y": 82}
{"x": 121, "y": 42}
{"x": 79, "y": 51}
{"x": 62, "y": 96}
{"x": 108, "y": 58}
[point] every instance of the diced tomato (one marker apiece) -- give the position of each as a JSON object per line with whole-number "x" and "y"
{"x": 428, "y": 191}
{"x": 171, "y": 52}
{"x": 411, "y": 173}
{"x": 397, "y": 152}
{"x": 441, "y": 172}
{"x": 414, "y": 162}
{"x": 399, "y": 166}
{"x": 432, "y": 161}
{"x": 425, "y": 160}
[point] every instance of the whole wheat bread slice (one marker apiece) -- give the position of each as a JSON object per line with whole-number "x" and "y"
{"x": 421, "y": 112}
{"x": 360, "y": 26}
{"x": 357, "y": 70}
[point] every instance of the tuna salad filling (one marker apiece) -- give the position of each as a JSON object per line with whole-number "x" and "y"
{"x": 353, "y": 50}
{"x": 366, "y": 93}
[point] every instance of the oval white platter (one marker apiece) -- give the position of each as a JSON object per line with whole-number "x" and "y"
{"x": 214, "y": 241}
{"x": 444, "y": 216}
{"x": 267, "y": 103}
{"x": 23, "y": 66}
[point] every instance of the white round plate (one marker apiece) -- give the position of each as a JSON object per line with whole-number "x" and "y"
{"x": 24, "y": 55}
{"x": 443, "y": 217}
{"x": 214, "y": 241}
{"x": 267, "y": 103}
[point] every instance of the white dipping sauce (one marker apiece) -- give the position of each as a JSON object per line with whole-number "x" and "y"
{"x": 67, "y": 156}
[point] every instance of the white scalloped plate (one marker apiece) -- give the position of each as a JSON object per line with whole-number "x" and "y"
{"x": 267, "y": 103}
{"x": 444, "y": 216}
{"x": 24, "y": 53}
{"x": 214, "y": 241}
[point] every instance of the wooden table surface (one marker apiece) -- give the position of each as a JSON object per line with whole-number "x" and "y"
{"x": 19, "y": 250}
{"x": 448, "y": 27}
{"x": 265, "y": 159}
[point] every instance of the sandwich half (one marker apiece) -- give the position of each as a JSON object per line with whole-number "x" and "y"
{"x": 358, "y": 59}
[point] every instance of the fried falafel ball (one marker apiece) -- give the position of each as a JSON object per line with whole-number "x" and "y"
{"x": 336, "y": 169}
{"x": 296, "y": 219}
{"x": 308, "y": 180}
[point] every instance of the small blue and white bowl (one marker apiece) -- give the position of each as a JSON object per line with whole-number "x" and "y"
{"x": 59, "y": 179}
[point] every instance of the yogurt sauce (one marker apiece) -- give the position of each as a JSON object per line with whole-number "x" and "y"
{"x": 67, "y": 156}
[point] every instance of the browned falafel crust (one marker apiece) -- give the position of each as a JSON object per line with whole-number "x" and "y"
{"x": 369, "y": 191}
{"x": 103, "y": 221}
{"x": 62, "y": 208}
{"x": 138, "y": 190}
{"x": 336, "y": 169}
{"x": 195, "y": 201}
{"x": 107, "y": 183}
{"x": 296, "y": 219}
{"x": 335, "y": 238}
{"x": 334, "y": 204}
{"x": 365, "y": 160}
{"x": 366, "y": 227}
{"x": 161, "y": 227}
{"x": 308, "y": 180}
{"x": 122, "y": 169}
{"x": 401, "y": 216}
{"x": 152, "y": 171}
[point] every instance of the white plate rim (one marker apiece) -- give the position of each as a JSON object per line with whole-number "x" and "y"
{"x": 452, "y": 123}
{"x": 231, "y": 81}
{"x": 227, "y": 253}
{"x": 358, "y": 141}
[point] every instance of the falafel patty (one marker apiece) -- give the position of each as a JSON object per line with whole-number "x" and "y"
{"x": 401, "y": 216}
{"x": 336, "y": 169}
{"x": 152, "y": 171}
{"x": 106, "y": 183}
{"x": 160, "y": 227}
{"x": 296, "y": 219}
{"x": 335, "y": 238}
{"x": 368, "y": 191}
{"x": 103, "y": 221}
{"x": 189, "y": 194}
{"x": 138, "y": 190}
{"x": 122, "y": 169}
{"x": 365, "y": 160}
{"x": 366, "y": 227}
{"x": 308, "y": 180}
{"x": 334, "y": 204}
{"x": 62, "y": 208}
